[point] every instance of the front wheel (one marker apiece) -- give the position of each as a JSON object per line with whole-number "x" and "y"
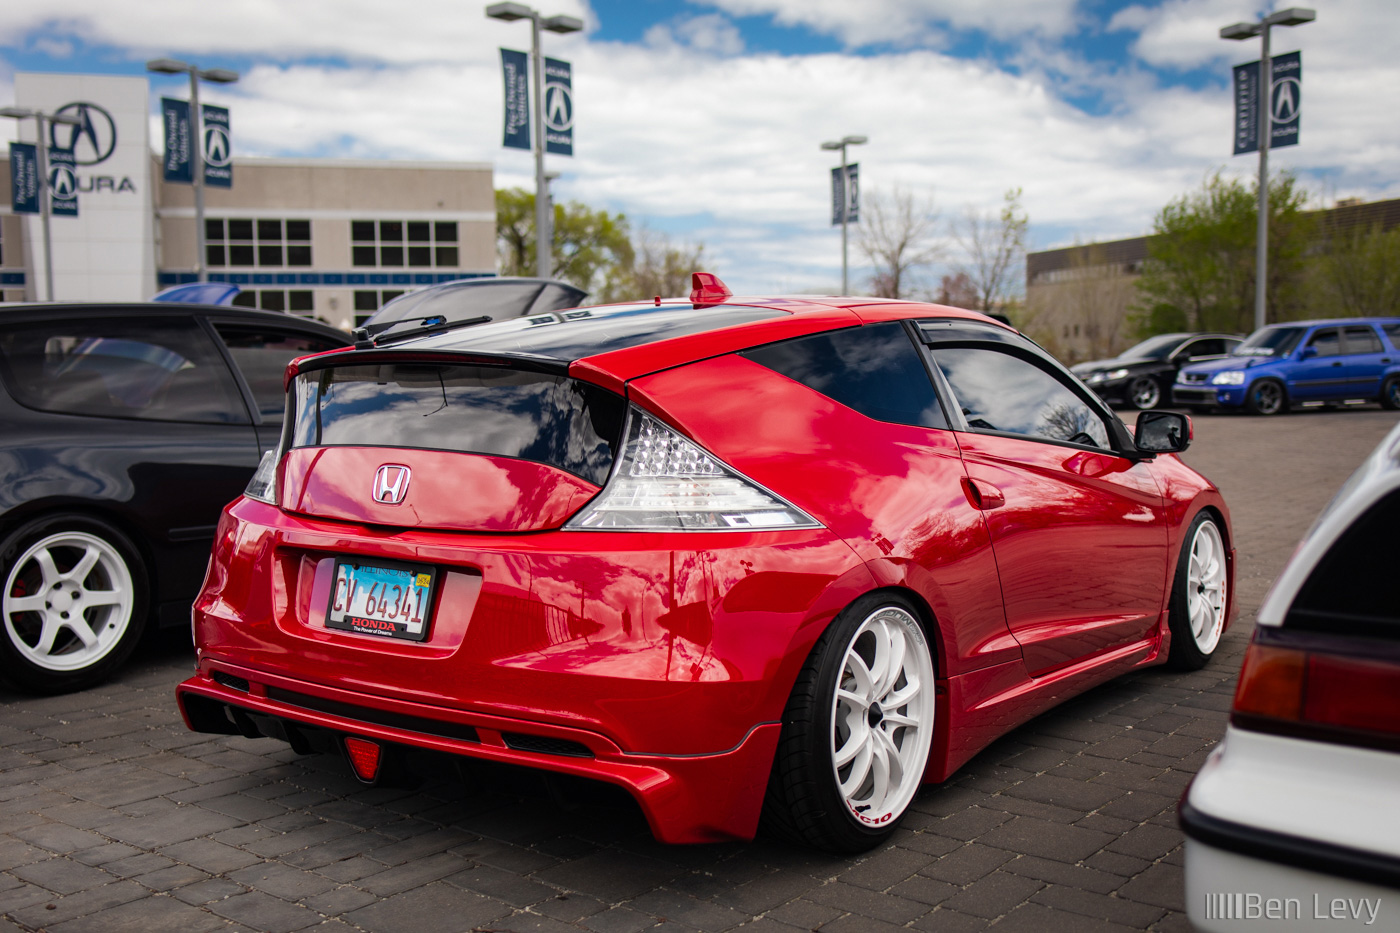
{"x": 1199, "y": 600}
{"x": 1390, "y": 393}
{"x": 1266, "y": 397}
{"x": 1144, "y": 393}
{"x": 73, "y": 605}
{"x": 857, "y": 730}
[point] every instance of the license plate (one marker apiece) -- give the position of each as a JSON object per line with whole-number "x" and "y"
{"x": 382, "y": 598}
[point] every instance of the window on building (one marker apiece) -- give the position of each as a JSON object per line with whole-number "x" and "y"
{"x": 368, "y": 301}
{"x": 422, "y": 244}
{"x": 261, "y": 243}
{"x": 298, "y": 302}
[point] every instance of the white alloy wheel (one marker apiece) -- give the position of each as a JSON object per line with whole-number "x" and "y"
{"x": 67, "y": 602}
{"x": 1205, "y": 587}
{"x": 882, "y": 716}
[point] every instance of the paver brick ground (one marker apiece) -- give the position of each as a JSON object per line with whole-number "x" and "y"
{"x": 113, "y": 817}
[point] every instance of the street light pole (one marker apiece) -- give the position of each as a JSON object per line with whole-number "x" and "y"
{"x": 218, "y": 76}
{"x": 845, "y": 198}
{"x": 544, "y": 215}
{"x": 1294, "y": 16}
{"x": 20, "y": 113}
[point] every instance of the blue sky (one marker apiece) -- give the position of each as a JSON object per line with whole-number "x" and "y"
{"x": 702, "y": 119}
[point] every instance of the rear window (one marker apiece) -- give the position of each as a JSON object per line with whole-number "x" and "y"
{"x": 489, "y": 410}
{"x": 1350, "y": 591}
{"x": 165, "y": 369}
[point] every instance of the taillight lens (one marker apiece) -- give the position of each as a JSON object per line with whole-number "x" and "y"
{"x": 665, "y": 482}
{"x": 263, "y": 485}
{"x": 1319, "y": 694}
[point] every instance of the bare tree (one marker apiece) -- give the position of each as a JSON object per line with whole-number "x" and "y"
{"x": 896, "y": 234}
{"x": 994, "y": 246}
{"x": 657, "y": 267}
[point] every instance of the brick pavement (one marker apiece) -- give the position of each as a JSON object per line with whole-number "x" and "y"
{"x": 114, "y": 818}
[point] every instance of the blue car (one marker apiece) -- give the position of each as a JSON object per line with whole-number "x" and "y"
{"x": 1300, "y": 361}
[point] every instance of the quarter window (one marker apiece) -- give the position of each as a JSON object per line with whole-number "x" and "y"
{"x": 1005, "y": 394}
{"x": 875, "y": 369}
{"x": 166, "y": 370}
{"x": 262, "y": 355}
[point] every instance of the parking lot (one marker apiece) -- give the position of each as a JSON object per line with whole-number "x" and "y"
{"x": 113, "y": 817}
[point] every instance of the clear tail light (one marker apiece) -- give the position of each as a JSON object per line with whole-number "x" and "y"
{"x": 263, "y": 485}
{"x": 666, "y": 482}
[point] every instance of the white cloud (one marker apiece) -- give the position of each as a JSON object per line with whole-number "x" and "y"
{"x": 906, "y": 22}
{"x": 712, "y": 33}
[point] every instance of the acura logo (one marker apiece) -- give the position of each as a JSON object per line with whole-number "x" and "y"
{"x": 391, "y": 483}
{"x": 92, "y": 140}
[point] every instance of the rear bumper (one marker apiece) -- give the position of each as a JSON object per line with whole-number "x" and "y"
{"x": 685, "y": 798}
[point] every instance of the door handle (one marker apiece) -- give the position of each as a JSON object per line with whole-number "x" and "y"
{"x": 1338, "y": 363}
{"x": 1385, "y": 359}
{"x": 983, "y": 496}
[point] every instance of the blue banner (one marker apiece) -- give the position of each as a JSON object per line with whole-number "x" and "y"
{"x": 179, "y": 164}
{"x": 558, "y": 107}
{"x": 218, "y": 148}
{"x": 63, "y": 183}
{"x": 845, "y": 195}
{"x": 515, "y": 70}
{"x": 24, "y": 178}
{"x": 1285, "y": 103}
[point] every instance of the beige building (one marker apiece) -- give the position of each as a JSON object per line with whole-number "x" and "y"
{"x": 325, "y": 238}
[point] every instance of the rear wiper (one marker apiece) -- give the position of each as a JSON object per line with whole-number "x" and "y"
{"x": 367, "y": 337}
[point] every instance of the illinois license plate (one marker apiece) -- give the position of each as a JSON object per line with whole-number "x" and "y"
{"x": 382, "y": 598}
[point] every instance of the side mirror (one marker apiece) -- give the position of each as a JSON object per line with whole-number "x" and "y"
{"x": 1307, "y": 352}
{"x": 1162, "y": 432}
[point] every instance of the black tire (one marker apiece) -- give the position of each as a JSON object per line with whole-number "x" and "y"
{"x": 1390, "y": 393}
{"x": 805, "y": 803}
{"x": 41, "y": 648}
{"x": 1266, "y": 397}
{"x": 1144, "y": 392}
{"x": 1197, "y": 619}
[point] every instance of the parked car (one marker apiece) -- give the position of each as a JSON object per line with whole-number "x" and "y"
{"x": 1141, "y": 376}
{"x": 1296, "y": 814}
{"x": 481, "y": 300}
{"x": 124, "y": 429}
{"x": 1301, "y": 361}
{"x": 738, "y": 556}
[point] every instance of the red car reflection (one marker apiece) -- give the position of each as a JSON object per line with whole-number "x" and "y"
{"x": 753, "y": 560}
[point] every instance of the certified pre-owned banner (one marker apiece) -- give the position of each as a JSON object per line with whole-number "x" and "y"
{"x": 63, "y": 183}
{"x": 218, "y": 148}
{"x": 24, "y": 178}
{"x": 179, "y": 167}
{"x": 515, "y": 69}
{"x": 845, "y": 195}
{"x": 558, "y": 107}
{"x": 1285, "y": 102}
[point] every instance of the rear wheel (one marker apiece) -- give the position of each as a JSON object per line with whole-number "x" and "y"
{"x": 1199, "y": 597}
{"x": 1390, "y": 393}
{"x": 1144, "y": 393}
{"x": 73, "y": 605}
{"x": 857, "y": 730}
{"x": 1266, "y": 397}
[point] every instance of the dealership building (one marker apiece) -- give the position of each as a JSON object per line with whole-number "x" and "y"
{"x": 325, "y": 238}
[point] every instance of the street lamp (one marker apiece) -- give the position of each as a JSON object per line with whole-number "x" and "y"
{"x": 1293, "y": 16}
{"x": 841, "y": 144}
{"x": 40, "y": 118}
{"x": 510, "y": 12}
{"x": 170, "y": 66}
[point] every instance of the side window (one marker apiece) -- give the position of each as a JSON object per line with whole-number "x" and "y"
{"x": 1212, "y": 347}
{"x": 1007, "y": 394}
{"x": 1343, "y": 590}
{"x": 1362, "y": 340}
{"x": 160, "y": 369}
{"x": 262, "y": 355}
{"x": 1393, "y": 332}
{"x": 875, "y": 369}
{"x": 1328, "y": 342}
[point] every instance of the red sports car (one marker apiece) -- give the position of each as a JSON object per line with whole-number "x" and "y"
{"x": 778, "y": 559}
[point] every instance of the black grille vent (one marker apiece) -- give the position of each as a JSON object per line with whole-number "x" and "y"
{"x": 378, "y": 717}
{"x": 545, "y": 745}
{"x": 228, "y": 680}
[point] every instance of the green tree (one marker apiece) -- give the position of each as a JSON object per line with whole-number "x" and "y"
{"x": 1358, "y": 274}
{"x": 586, "y": 247}
{"x": 1200, "y": 267}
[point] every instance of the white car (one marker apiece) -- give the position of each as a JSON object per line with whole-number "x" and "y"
{"x": 1294, "y": 821}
